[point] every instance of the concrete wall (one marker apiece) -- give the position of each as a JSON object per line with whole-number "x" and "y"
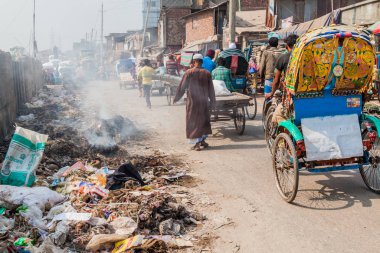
{"x": 367, "y": 12}
{"x": 20, "y": 80}
{"x": 200, "y": 27}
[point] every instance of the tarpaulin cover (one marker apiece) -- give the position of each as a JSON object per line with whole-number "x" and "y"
{"x": 310, "y": 64}
{"x": 186, "y": 59}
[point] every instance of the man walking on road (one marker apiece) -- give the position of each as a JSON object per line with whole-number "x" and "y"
{"x": 172, "y": 66}
{"x": 208, "y": 63}
{"x": 145, "y": 78}
{"x": 267, "y": 65}
{"x": 198, "y": 84}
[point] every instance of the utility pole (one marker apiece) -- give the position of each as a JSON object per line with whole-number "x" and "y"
{"x": 34, "y": 30}
{"x": 145, "y": 25}
{"x": 232, "y": 20}
{"x": 101, "y": 37}
{"x": 332, "y": 12}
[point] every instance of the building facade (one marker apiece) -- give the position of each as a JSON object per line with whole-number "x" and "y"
{"x": 153, "y": 11}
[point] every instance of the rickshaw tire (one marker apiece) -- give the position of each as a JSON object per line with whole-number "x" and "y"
{"x": 240, "y": 112}
{"x": 362, "y": 173}
{"x": 268, "y": 120}
{"x": 253, "y": 115}
{"x": 290, "y": 142}
{"x": 266, "y": 108}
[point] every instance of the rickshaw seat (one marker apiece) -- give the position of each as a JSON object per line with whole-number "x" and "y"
{"x": 326, "y": 105}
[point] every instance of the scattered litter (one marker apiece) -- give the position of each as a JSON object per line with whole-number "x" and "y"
{"x": 100, "y": 195}
{"x": 6, "y": 224}
{"x": 127, "y": 244}
{"x": 72, "y": 217}
{"x": 123, "y": 226}
{"x": 97, "y": 241}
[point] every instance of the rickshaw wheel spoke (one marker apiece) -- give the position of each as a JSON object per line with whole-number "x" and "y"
{"x": 285, "y": 166}
{"x": 371, "y": 172}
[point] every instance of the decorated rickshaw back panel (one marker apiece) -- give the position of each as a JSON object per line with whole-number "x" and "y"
{"x": 311, "y": 66}
{"x": 326, "y": 105}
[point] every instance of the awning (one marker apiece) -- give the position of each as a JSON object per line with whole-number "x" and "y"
{"x": 201, "y": 46}
{"x": 302, "y": 28}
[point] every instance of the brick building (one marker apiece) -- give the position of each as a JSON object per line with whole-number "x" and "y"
{"x": 204, "y": 28}
{"x": 250, "y": 5}
{"x": 171, "y": 26}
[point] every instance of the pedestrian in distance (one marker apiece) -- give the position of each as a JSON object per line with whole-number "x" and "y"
{"x": 267, "y": 65}
{"x": 197, "y": 83}
{"x": 145, "y": 78}
{"x": 208, "y": 63}
{"x": 172, "y": 66}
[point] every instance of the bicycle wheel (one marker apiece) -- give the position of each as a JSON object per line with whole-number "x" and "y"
{"x": 269, "y": 131}
{"x": 239, "y": 120}
{"x": 285, "y": 166}
{"x": 251, "y": 109}
{"x": 371, "y": 172}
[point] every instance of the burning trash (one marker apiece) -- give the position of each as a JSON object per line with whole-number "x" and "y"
{"x": 89, "y": 193}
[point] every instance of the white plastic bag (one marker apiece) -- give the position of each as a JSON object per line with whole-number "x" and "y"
{"x": 35, "y": 199}
{"x": 23, "y": 157}
{"x": 221, "y": 89}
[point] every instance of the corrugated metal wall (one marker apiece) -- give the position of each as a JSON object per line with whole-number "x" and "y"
{"x": 19, "y": 82}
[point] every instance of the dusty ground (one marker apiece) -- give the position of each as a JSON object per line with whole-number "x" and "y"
{"x": 333, "y": 212}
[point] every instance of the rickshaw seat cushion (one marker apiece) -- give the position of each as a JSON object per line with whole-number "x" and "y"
{"x": 327, "y": 105}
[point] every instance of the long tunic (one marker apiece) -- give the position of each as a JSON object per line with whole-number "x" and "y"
{"x": 198, "y": 84}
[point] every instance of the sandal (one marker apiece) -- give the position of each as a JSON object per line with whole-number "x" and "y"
{"x": 197, "y": 147}
{"x": 204, "y": 144}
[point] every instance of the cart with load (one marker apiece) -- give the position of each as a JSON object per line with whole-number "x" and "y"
{"x": 126, "y": 71}
{"x": 320, "y": 125}
{"x": 231, "y": 107}
{"x": 236, "y": 61}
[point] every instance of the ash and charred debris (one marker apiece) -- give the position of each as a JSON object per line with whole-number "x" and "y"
{"x": 155, "y": 210}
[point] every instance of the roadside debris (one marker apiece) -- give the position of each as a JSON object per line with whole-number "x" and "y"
{"x": 87, "y": 196}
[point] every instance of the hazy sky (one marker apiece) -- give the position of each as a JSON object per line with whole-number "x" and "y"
{"x": 63, "y": 21}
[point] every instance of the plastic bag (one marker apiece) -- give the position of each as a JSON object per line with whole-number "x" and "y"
{"x": 23, "y": 157}
{"x": 220, "y": 88}
{"x": 35, "y": 200}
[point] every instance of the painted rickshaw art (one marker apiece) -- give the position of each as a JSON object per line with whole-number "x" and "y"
{"x": 322, "y": 125}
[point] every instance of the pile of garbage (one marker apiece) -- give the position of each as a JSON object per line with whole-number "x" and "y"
{"x": 67, "y": 195}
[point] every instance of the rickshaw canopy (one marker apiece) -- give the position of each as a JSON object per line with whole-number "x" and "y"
{"x": 311, "y": 63}
{"x": 242, "y": 62}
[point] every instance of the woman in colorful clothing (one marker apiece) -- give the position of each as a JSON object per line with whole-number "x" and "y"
{"x": 222, "y": 73}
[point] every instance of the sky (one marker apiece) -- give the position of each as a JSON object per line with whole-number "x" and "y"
{"x": 62, "y": 22}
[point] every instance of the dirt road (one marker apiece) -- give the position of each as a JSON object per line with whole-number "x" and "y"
{"x": 333, "y": 212}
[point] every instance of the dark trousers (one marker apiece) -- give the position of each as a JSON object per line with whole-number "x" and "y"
{"x": 147, "y": 89}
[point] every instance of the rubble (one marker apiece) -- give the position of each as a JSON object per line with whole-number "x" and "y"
{"x": 89, "y": 196}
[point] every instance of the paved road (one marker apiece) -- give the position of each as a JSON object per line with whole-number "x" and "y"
{"x": 333, "y": 212}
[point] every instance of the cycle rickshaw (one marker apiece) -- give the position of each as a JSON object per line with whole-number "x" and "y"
{"x": 322, "y": 126}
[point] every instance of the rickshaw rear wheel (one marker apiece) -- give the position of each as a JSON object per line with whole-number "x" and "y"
{"x": 239, "y": 120}
{"x": 371, "y": 172}
{"x": 269, "y": 128}
{"x": 251, "y": 109}
{"x": 266, "y": 110}
{"x": 285, "y": 167}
